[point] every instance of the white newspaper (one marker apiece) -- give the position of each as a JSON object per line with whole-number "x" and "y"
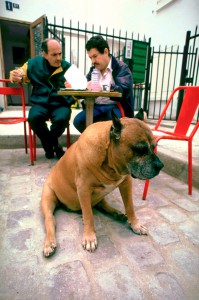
{"x": 76, "y": 78}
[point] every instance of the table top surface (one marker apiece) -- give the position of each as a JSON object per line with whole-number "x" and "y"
{"x": 87, "y": 93}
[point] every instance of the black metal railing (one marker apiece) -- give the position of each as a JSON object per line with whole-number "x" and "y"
{"x": 170, "y": 68}
{"x": 74, "y": 38}
{"x": 165, "y": 68}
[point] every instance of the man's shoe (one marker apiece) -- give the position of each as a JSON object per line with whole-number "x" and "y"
{"x": 59, "y": 151}
{"x": 49, "y": 154}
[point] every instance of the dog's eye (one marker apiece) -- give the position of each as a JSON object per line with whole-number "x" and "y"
{"x": 141, "y": 148}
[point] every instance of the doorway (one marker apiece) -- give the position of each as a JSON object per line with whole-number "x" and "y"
{"x": 16, "y": 50}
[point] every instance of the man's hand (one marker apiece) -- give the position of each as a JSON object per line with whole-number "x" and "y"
{"x": 67, "y": 84}
{"x": 97, "y": 86}
{"x": 17, "y": 75}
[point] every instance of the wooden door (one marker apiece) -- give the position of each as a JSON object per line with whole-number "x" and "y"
{"x": 37, "y": 35}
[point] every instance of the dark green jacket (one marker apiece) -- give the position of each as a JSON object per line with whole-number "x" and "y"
{"x": 46, "y": 81}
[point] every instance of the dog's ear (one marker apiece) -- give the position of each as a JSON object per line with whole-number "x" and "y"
{"x": 116, "y": 127}
{"x": 141, "y": 115}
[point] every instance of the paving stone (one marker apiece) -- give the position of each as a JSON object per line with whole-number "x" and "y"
{"x": 68, "y": 222}
{"x": 4, "y": 204}
{"x": 194, "y": 196}
{"x": 186, "y": 204}
{"x": 170, "y": 193}
{"x": 165, "y": 286}
{"x": 173, "y": 215}
{"x": 138, "y": 203}
{"x": 20, "y": 201}
{"x": 121, "y": 230}
{"x": 2, "y": 231}
{"x": 100, "y": 228}
{"x": 21, "y": 281}
{"x": 3, "y": 183}
{"x": 5, "y": 163}
{"x": 188, "y": 260}
{"x": 163, "y": 234}
{"x": 119, "y": 283}
{"x": 143, "y": 254}
{"x": 18, "y": 189}
{"x": 196, "y": 217}
{"x": 191, "y": 231}
{"x": 148, "y": 215}
{"x": 21, "y": 240}
{"x": 124, "y": 266}
{"x": 105, "y": 251}
{"x": 156, "y": 201}
{"x": 19, "y": 180}
{"x": 67, "y": 246}
{"x": 6, "y": 155}
{"x": 15, "y": 218}
{"x": 4, "y": 173}
{"x": 69, "y": 281}
{"x": 40, "y": 181}
{"x": 19, "y": 171}
{"x": 43, "y": 169}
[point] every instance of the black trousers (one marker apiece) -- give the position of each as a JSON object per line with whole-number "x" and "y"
{"x": 59, "y": 117}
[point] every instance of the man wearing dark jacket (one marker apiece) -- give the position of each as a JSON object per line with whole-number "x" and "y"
{"x": 113, "y": 73}
{"x": 46, "y": 74}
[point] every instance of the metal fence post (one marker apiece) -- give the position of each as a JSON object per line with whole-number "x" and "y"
{"x": 183, "y": 72}
{"x": 147, "y": 74}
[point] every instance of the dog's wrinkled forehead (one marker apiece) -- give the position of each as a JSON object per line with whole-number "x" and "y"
{"x": 131, "y": 129}
{"x": 137, "y": 132}
{"x": 135, "y": 127}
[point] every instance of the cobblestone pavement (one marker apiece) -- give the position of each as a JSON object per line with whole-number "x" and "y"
{"x": 163, "y": 265}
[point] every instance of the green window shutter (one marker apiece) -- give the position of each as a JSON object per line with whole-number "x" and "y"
{"x": 139, "y": 55}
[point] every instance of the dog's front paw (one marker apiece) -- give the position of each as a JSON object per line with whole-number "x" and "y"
{"x": 49, "y": 248}
{"x": 138, "y": 228}
{"x": 89, "y": 242}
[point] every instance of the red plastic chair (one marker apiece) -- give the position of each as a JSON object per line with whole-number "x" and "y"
{"x": 121, "y": 109}
{"x": 35, "y": 145}
{"x": 5, "y": 90}
{"x": 182, "y": 129}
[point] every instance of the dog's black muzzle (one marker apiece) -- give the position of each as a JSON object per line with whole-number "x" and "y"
{"x": 146, "y": 169}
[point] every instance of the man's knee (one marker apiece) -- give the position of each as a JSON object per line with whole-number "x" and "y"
{"x": 37, "y": 113}
{"x": 33, "y": 118}
{"x": 79, "y": 123}
{"x": 61, "y": 120}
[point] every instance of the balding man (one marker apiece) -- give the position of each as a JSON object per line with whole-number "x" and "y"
{"x": 46, "y": 74}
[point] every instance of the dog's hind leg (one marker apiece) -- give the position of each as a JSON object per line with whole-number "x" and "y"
{"x": 48, "y": 204}
{"x": 104, "y": 206}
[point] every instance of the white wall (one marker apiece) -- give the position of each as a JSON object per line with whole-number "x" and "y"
{"x": 166, "y": 27}
{"x": 169, "y": 25}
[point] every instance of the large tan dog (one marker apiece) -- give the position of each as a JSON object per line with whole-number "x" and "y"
{"x": 105, "y": 157}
